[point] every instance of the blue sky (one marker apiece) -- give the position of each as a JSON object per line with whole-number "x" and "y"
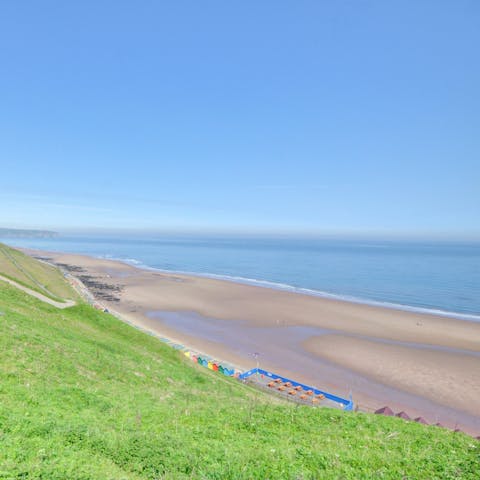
{"x": 241, "y": 116}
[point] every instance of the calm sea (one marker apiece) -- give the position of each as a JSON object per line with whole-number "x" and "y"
{"x": 436, "y": 276}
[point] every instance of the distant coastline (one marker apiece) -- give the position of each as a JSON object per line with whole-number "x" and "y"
{"x": 24, "y": 233}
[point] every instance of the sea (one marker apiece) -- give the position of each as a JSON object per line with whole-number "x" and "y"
{"x": 441, "y": 277}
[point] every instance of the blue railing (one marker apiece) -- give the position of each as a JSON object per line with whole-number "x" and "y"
{"x": 347, "y": 404}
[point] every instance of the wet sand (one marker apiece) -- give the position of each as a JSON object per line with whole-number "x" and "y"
{"x": 424, "y": 364}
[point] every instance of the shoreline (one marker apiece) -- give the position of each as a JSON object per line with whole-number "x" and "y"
{"x": 307, "y": 337}
{"x": 283, "y": 287}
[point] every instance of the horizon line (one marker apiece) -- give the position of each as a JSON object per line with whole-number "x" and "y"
{"x": 373, "y": 234}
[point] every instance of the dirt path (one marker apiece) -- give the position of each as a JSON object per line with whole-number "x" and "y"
{"x": 33, "y": 293}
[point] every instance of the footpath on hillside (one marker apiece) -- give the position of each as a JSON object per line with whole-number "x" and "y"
{"x": 39, "y": 296}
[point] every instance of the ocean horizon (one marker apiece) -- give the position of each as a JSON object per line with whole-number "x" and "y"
{"x": 438, "y": 277}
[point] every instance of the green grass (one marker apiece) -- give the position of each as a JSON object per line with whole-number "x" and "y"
{"x": 33, "y": 274}
{"x": 85, "y": 396}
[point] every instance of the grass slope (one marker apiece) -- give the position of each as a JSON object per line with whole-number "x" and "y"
{"x": 84, "y": 396}
{"x": 36, "y": 275}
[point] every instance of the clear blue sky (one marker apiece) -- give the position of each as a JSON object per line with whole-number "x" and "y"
{"x": 315, "y": 116}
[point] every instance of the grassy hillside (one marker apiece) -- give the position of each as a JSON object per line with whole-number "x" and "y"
{"x": 36, "y": 275}
{"x": 84, "y": 396}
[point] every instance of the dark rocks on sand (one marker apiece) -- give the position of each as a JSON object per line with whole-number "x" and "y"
{"x": 403, "y": 415}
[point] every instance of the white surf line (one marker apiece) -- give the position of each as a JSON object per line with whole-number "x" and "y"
{"x": 39, "y": 296}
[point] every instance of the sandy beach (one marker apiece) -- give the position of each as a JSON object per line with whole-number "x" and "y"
{"x": 424, "y": 364}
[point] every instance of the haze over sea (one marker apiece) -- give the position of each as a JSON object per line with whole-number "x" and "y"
{"x": 435, "y": 276}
